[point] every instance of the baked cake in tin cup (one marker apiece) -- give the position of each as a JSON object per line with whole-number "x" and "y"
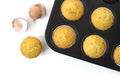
{"x": 102, "y": 18}
{"x": 116, "y": 55}
{"x": 72, "y": 10}
{"x": 94, "y": 46}
{"x": 64, "y": 36}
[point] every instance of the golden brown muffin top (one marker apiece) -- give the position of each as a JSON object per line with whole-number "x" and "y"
{"x": 72, "y": 9}
{"x": 117, "y": 55}
{"x": 31, "y": 47}
{"x": 64, "y": 36}
{"x": 94, "y": 46}
{"x": 102, "y": 18}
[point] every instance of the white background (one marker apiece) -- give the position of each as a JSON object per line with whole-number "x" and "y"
{"x": 49, "y": 65}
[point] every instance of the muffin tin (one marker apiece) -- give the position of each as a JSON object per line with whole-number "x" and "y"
{"x": 83, "y": 28}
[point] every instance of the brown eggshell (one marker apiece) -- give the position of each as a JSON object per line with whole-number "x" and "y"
{"x": 37, "y": 11}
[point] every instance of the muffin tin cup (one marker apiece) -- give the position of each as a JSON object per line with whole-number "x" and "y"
{"x": 112, "y": 56}
{"x": 105, "y": 51}
{"x": 76, "y": 36}
{"x": 60, "y": 13}
{"x": 111, "y": 27}
{"x": 83, "y": 28}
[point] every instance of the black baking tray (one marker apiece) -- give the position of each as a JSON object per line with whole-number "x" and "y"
{"x": 83, "y": 28}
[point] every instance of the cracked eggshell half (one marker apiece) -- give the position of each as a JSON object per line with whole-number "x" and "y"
{"x": 19, "y": 24}
{"x": 37, "y": 11}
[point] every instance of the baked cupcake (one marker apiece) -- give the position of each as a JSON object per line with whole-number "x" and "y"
{"x": 31, "y": 47}
{"x": 102, "y": 18}
{"x": 94, "y": 46}
{"x": 64, "y": 36}
{"x": 72, "y": 9}
{"x": 116, "y": 55}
